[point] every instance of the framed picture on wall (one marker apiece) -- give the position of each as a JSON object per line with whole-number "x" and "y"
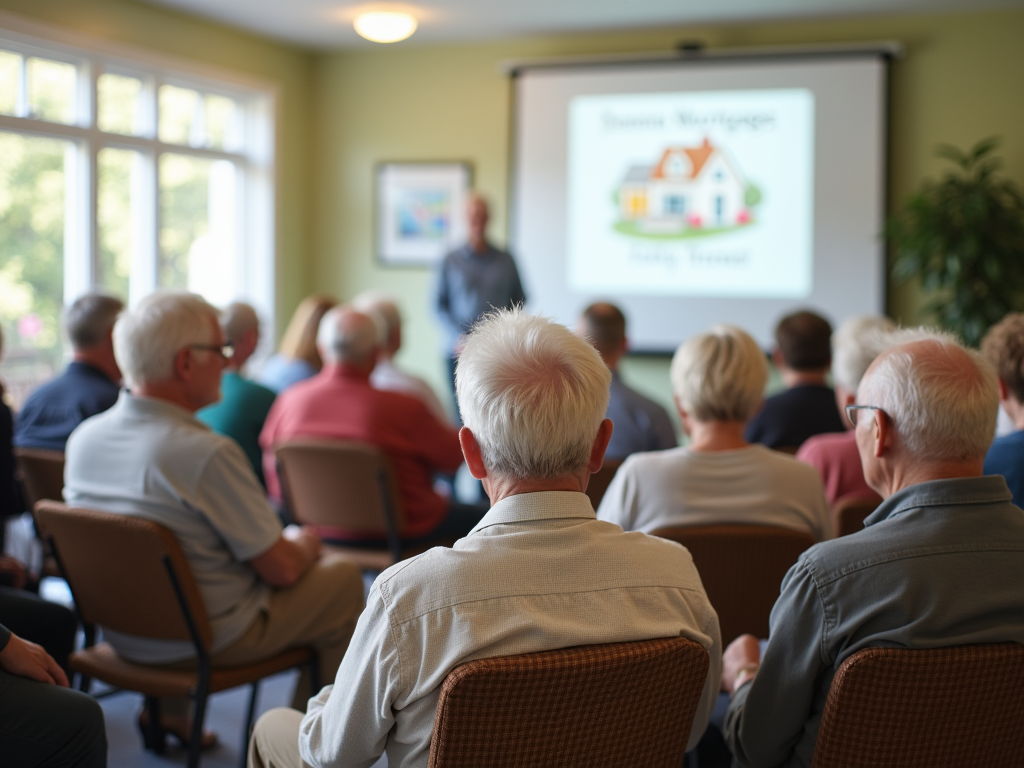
{"x": 420, "y": 211}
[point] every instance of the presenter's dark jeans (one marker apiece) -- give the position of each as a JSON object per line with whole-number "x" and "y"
{"x": 36, "y": 620}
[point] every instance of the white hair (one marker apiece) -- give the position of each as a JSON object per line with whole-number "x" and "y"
{"x": 147, "y": 338}
{"x": 719, "y": 375}
{"x": 855, "y": 345}
{"x": 533, "y": 393}
{"x": 942, "y": 398}
{"x": 382, "y": 309}
{"x": 347, "y": 336}
{"x": 237, "y": 319}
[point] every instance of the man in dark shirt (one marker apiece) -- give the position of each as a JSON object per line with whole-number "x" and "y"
{"x": 89, "y": 385}
{"x": 803, "y": 355}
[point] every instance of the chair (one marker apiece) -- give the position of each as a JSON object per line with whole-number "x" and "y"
{"x": 600, "y": 480}
{"x": 742, "y": 567}
{"x": 593, "y": 706}
{"x": 130, "y": 575}
{"x": 938, "y": 708}
{"x": 346, "y": 485}
{"x": 849, "y": 513}
{"x": 42, "y": 474}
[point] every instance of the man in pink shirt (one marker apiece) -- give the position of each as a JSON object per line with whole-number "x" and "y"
{"x": 855, "y": 345}
{"x": 340, "y": 403}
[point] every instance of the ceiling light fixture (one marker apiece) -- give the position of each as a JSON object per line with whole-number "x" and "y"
{"x": 385, "y": 26}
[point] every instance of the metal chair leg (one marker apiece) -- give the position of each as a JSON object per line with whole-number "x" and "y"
{"x": 195, "y": 741}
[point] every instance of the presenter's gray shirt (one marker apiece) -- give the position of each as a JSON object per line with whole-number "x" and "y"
{"x": 152, "y": 459}
{"x": 939, "y": 563}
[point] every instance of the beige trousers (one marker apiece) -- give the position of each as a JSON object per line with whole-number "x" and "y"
{"x": 275, "y": 740}
{"x": 320, "y": 610}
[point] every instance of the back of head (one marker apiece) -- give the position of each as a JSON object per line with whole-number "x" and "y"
{"x": 855, "y": 345}
{"x": 604, "y": 326}
{"x": 89, "y": 319}
{"x": 719, "y": 375}
{"x": 1003, "y": 347}
{"x": 533, "y": 393}
{"x": 348, "y": 337}
{"x": 803, "y": 339}
{"x": 238, "y": 319}
{"x": 383, "y": 308}
{"x": 942, "y": 398}
{"x": 147, "y": 338}
{"x": 299, "y": 340}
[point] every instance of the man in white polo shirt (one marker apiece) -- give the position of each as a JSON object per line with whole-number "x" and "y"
{"x": 265, "y": 589}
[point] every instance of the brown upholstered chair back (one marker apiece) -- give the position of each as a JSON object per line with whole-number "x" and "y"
{"x": 42, "y": 474}
{"x": 115, "y": 566}
{"x": 849, "y": 513}
{"x": 741, "y": 567}
{"x": 938, "y": 708}
{"x": 340, "y": 484}
{"x": 600, "y": 480}
{"x": 592, "y": 706}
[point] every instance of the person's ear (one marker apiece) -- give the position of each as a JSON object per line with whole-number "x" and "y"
{"x": 601, "y": 440}
{"x": 881, "y": 433}
{"x": 1004, "y": 391}
{"x": 472, "y": 453}
{"x": 184, "y": 364}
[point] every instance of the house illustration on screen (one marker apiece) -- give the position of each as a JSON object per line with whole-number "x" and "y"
{"x": 689, "y": 188}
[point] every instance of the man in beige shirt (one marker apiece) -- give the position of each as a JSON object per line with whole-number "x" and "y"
{"x": 538, "y": 572}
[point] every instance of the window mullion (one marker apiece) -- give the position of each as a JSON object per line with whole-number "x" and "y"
{"x": 21, "y": 105}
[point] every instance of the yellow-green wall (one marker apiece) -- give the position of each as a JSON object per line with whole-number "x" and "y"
{"x": 961, "y": 80}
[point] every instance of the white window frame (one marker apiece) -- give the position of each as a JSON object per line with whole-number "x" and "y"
{"x": 255, "y": 161}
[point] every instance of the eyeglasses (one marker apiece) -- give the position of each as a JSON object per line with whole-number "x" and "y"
{"x": 225, "y": 350}
{"x": 851, "y": 411}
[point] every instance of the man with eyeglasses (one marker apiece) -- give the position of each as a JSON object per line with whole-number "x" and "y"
{"x": 939, "y": 563}
{"x": 265, "y": 589}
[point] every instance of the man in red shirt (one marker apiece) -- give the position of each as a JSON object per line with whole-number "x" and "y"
{"x": 340, "y": 403}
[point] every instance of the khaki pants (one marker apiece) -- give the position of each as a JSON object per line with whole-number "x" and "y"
{"x": 275, "y": 740}
{"x": 319, "y": 610}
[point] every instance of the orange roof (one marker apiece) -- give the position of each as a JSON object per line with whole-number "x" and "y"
{"x": 698, "y": 156}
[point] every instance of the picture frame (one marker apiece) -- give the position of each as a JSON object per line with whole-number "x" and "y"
{"x": 420, "y": 211}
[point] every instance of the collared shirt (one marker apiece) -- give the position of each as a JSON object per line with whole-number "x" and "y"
{"x": 470, "y": 284}
{"x": 537, "y": 573}
{"x": 939, "y": 563}
{"x": 335, "y": 405}
{"x": 751, "y": 485}
{"x": 640, "y": 423}
{"x": 240, "y": 414}
{"x": 152, "y": 459}
{"x": 1006, "y": 458}
{"x": 792, "y": 416}
{"x": 279, "y": 372}
{"x": 837, "y": 460}
{"x": 389, "y": 377}
{"x": 53, "y": 410}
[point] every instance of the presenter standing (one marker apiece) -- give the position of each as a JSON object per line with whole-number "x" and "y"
{"x": 472, "y": 280}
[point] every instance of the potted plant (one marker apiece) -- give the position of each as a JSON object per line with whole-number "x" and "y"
{"x": 963, "y": 236}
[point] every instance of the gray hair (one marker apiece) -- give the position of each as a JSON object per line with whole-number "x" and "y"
{"x": 855, "y": 345}
{"x": 719, "y": 375}
{"x": 942, "y": 398}
{"x": 382, "y": 309}
{"x": 147, "y": 339}
{"x": 238, "y": 319}
{"x": 89, "y": 319}
{"x": 347, "y": 336}
{"x": 533, "y": 393}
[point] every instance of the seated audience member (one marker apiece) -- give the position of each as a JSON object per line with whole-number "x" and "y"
{"x": 89, "y": 385}
{"x": 297, "y": 358}
{"x": 42, "y": 721}
{"x": 808, "y": 405}
{"x": 855, "y": 345}
{"x": 265, "y": 589}
{"x": 640, "y": 423}
{"x": 340, "y": 404}
{"x": 539, "y": 571}
{"x": 939, "y": 563}
{"x": 386, "y": 375}
{"x": 1003, "y": 347}
{"x": 718, "y": 381}
{"x": 243, "y": 405}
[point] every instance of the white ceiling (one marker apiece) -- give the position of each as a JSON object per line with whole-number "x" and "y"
{"x": 324, "y": 24}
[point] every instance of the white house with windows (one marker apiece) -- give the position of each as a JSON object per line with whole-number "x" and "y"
{"x": 689, "y": 187}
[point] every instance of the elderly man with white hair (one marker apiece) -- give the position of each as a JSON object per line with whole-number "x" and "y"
{"x": 939, "y": 563}
{"x": 855, "y": 344}
{"x": 538, "y": 572}
{"x": 339, "y": 403}
{"x": 265, "y": 589}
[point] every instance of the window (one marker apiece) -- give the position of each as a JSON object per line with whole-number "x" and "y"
{"x": 123, "y": 174}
